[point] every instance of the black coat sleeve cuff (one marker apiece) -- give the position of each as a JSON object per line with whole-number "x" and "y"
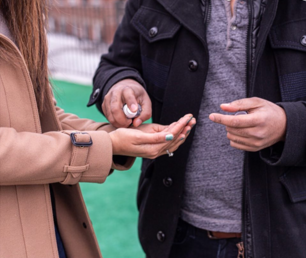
{"x": 102, "y": 84}
{"x": 292, "y": 152}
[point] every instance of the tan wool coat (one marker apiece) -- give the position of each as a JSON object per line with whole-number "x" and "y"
{"x": 36, "y": 153}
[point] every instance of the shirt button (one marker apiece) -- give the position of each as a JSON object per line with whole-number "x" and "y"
{"x": 233, "y": 27}
{"x": 303, "y": 40}
{"x": 193, "y": 65}
{"x": 161, "y": 236}
{"x": 167, "y": 181}
{"x": 96, "y": 93}
{"x": 152, "y": 32}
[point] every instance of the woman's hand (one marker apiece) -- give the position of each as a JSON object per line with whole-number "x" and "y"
{"x": 151, "y": 140}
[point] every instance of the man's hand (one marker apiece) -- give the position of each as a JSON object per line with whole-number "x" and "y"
{"x": 263, "y": 126}
{"x": 127, "y": 92}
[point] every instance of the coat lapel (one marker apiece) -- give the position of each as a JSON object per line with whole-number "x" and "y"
{"x": 19, "y": 92}
{"x": 265, "y": 26}
{"x": 189, "y": 13}
{"x": 266, "y": 23}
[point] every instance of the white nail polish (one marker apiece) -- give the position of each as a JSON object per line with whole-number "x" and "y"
{"x": 130, "y": 114}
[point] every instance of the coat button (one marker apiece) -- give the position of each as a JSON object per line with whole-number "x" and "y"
{"x": 161, "y": 236}
{"x": 152, "y": 32}
{"x": 96, "y": 93}
{"x": 303, "y": 40}
{"x": 193, "y": 65}
{"x": 167, "y": 181}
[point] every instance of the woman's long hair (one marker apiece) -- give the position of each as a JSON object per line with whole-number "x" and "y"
{"x": 26, "y": 21}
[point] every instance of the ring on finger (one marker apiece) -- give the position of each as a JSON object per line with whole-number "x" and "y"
{"x": 170, "y": 154}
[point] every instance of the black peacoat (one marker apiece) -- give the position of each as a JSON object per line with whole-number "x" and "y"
{"x": 162, "y": 45}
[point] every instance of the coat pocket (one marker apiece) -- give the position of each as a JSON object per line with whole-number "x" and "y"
{"x": 288, "y": 41}
{"x": 158, "y": 36}
{"x": 294, "y": 181}
{"x": 154, "y": 25}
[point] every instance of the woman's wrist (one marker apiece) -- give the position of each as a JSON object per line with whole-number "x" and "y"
{"x": 114, "y": 140}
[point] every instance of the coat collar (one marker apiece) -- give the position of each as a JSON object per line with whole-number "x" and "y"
{"x": 189, "y": 13}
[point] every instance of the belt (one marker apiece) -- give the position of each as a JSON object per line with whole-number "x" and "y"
{"x": 222, "y": 235}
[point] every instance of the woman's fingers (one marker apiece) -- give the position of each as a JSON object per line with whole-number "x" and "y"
{"x": 183, "y": 127}
{"x": 151, "y": 140}
{"x": 177, "y": 127}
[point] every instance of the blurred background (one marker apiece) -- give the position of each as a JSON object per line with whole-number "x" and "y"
{"x": 79, "y": 32}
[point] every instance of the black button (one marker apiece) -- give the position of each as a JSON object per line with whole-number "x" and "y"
{"x": 96, "y": 93}
{"x": 84, "y": 225}
{"x": 303, "y": 40}
{"x": 193, "y": 65}
{"x": 161, "y": 236}
{"x": 152, "y": 32}
{"x": 168, "y": 181}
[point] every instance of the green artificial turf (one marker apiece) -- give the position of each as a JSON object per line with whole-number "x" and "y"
{"x": 111, "y": 205}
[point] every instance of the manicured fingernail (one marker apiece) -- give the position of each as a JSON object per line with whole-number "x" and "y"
{"x": 169, "y": 137}
{"x": 188, "y": 132}
{"x": 189, "y": 120}
{"x": 225, "y": 104}
{"x": 182, "y": 138}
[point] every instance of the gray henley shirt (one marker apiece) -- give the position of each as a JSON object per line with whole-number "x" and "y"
{"x": 212, "y": 195}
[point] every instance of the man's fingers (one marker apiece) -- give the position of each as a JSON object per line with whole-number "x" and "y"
{"x": 128, "y": 92}
{"x": 108, "y": 114}
{"x": 252, "y": 144}
{"x": 242, "y": 132}
{"x": 242, "y": 104}
{"x": 146, "y": 110}
{"x": 242, "y": 147}
{"x": 129, "y": 98}
{"x": 112, "y": 109}
{"x": 104, "y": 109}
{"x": 116, "y": 116}
{"x": 242, "y": 121}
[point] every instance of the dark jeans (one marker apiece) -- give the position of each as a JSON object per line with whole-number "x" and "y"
{"x": 192, "y": 242}
{"x": 60, "y": 246}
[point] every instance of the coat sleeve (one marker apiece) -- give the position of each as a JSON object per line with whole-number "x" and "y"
{"x": 72, "y": 122}
{"x": 291, "y": 152}
{"x": 123, "y": 59}
{"x": 31, "y": 158}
